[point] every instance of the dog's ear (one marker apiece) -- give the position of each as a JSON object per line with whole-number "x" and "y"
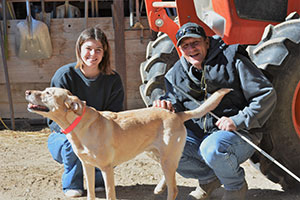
{"x": 75, "y": 104}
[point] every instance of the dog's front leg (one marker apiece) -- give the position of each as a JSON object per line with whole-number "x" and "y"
{"x": 108, "y": 175}
{"x": 89, "y": 172}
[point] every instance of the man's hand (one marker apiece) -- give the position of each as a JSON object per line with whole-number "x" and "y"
{"x": 163, "y": 104}
{"x": 226, "y": 124}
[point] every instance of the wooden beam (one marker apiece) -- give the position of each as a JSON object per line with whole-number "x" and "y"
{"x": 119, "y": 35}
{"x": 45, "y": 0}
{"x": 4, "y": 61}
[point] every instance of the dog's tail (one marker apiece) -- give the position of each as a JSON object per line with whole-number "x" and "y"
{"x": 210, "y": 104}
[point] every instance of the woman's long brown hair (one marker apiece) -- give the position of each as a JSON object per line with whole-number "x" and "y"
{"x": 97, "y": 34}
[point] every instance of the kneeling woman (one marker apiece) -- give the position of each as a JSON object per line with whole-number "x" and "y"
{"x": 92, "y": 79}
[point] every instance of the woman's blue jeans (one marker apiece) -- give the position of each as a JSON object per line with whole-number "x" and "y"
{"x": 218, "y": 155}
{"x": 61, "y": 151}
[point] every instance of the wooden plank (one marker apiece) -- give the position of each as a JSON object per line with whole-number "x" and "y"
{"x": 18, "y": 91}
{"x": 4, "y": 54}
{"x": 28, "y": 74}
{"x": 18, "y": 97}
{"x": 64, "y": 33}
{"x": 20, "y": 111}
{"x": 120, "y": 59}
{"x": 45, "y": 0}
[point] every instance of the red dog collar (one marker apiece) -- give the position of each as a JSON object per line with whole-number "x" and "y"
{"x": 74, "y": 123}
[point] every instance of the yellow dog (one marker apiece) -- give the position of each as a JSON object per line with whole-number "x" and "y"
{"x": 107, "y": 139}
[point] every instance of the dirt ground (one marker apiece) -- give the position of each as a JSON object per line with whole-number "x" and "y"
{"x": 27, "y": 171}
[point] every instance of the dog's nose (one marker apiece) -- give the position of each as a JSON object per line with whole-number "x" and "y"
{"x": 28, "y": 92}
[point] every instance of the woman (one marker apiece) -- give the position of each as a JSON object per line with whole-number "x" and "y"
{"x": 92, "y": 79}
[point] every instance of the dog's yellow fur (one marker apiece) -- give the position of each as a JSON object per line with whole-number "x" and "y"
{"x": 106, "y": 139}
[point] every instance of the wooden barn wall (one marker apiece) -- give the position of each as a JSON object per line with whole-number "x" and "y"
{"x": 29, "y": 74}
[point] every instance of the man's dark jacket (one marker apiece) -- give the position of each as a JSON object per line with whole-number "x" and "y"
{"x": 250, "y": 103}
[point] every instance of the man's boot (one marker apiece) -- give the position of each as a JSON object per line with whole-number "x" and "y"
{"x": 236, "y": 194}
{"x": 203, "y": 191}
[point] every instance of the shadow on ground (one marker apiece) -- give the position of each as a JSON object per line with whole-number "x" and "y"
{"x": 145, "y": 192}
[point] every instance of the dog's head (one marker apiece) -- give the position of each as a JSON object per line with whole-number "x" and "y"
{"x": 53, "y": 102}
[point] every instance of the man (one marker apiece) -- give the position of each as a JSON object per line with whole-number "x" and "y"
{"x": 213, "y": 153}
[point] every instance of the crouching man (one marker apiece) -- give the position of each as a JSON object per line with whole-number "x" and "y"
{"x": 213, "y": 152}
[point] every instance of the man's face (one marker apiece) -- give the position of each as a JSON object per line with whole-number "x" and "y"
{"x": 194, "y": 50}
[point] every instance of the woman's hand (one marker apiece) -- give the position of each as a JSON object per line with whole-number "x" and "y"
{"x": 163, "y": 104}
{"x": 226, "y": 124}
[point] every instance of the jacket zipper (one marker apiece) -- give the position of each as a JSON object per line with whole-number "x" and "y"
{"x": 203, "y": 82}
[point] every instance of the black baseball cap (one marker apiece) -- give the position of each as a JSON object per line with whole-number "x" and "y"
{"x": 189, "y": 30}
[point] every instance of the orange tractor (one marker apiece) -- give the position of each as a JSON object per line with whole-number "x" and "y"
{"x": 270, "y": 29}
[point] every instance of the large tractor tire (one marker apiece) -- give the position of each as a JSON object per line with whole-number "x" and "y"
{"x": 278, "y": 55}
{"x": 160, "y": 57}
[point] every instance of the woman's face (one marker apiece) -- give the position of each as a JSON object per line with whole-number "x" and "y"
{"x": 91, "y": 53}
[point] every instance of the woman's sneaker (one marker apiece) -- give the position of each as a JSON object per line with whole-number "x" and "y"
{"x": 99, "y": 189}
{"x": 73, "y": 193}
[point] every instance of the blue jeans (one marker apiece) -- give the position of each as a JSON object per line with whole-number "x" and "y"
{"x": 218, "y": 155}
{"x": 61, "y": 151}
